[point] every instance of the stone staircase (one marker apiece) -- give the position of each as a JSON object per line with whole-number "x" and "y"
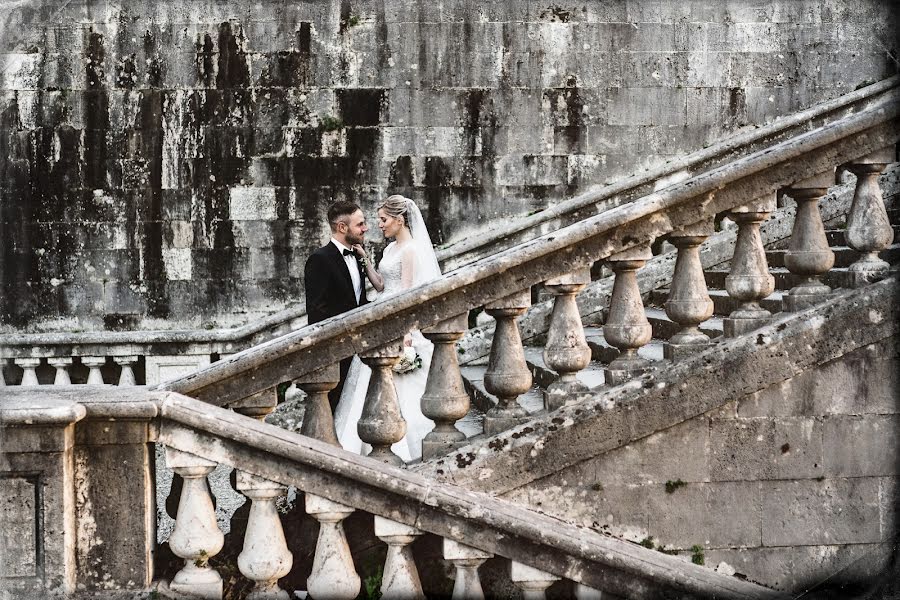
{"x": 663, "y": 328}
{"x": 697, "y": 442}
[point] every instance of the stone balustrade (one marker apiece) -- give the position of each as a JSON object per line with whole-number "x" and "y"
{"x": 401, "y": 506}
{"x": 123, "y": 365}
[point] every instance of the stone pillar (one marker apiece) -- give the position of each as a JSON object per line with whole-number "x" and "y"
{"x": 126, "y": 375}
{"x": 688, "y": 303}
{"x": 333, "y": 575}
{"x": 318, "y": 422}
{"x": 809, "y": 256}
{"x": 29, "y": 370}
{"x": 36, "y": 458}
{"x": 95, "y": 377}
{"x": 445, "y": 400}
{"x": 566, "y": 351}
{"x": 401, "y": 578}
{"x": 868, "y": 227}
{"x": 466, "y": 560}
{"x": 627, "y": 327}
{"x": 507, "y": 374}
{"x": 265, "y": 557}
{"x": 116, "y": 495}
{"x": 381, "y": 424}
{"x": 533, "y": 582}
{"x": 196, "y": 537}
{"x": 749, "y": 280}
{"x": 61, "y": 363}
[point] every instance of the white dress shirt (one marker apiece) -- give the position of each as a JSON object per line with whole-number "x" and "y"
{"x": 350, "y": 261}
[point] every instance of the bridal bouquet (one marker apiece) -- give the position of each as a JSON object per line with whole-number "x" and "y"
{"x": 409, "y": 361}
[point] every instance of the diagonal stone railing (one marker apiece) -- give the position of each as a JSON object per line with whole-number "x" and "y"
{"x": 114, "y": 356}
{"x": 630, "y": 226}
{"x": 118, "y": 555}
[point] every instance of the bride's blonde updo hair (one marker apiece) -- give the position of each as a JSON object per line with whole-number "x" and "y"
{"x": 397, "y": 206}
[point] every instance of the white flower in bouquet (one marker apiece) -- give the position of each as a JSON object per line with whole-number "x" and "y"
{"x": 409, "y": 361}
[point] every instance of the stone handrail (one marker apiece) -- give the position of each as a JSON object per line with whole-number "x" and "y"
{"x": 212, "y": 435}
{"x": 574, "y": 247}
{"x": 457, "y": 255}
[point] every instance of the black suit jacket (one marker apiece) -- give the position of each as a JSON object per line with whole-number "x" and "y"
{"x": 329, "y": 289}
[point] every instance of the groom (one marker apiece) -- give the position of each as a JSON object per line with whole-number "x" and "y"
{"x": 334, "y": 277}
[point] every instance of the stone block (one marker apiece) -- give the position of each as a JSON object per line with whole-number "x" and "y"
{"x": 160, "y": 369}
{"x": 709, "y": 514}
{"x": 833, "y": 388}
{"x": 830, "y": 511}
{"x": 798, "y": 449}
{"x": 251, "y": 203}
{"x": 115, "y": 513}
{"x": 858, "y": 446}
{"x": 888, "y": 497}
{"x": 742, "y": 449}
{"x": 796, "y": 569}
{"x": 647, "y": 106}
{"x": 679, "y": 452}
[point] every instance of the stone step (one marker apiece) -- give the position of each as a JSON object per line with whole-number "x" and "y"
{"x": 844, "y": 256}
{"x": 836, "y": 277}
{"x": 836, "y": 237}
{"x": 473, "y": 378}
{"x": 591, "y": 376}
{"x": 723, "y": 303}
{"x": 603, "y": 353}
{"x": 664, "y": 327}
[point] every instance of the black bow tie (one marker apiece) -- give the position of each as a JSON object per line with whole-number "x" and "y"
{"x": 347, "y": 252}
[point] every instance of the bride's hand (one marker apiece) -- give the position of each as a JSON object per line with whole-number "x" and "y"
{"x": 360, "y": 251}
{"x": 407, "y": 340}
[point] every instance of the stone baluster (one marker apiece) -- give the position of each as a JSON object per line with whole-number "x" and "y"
{"x": 265, "y": 557}
{"x": 381, "y": 424}
{"x": 318, "y": 422}
{"x": 507, "y": 374}
{"x": 2, "y": 366}
{"x": 401, "y": 578}
{"x": 61, "y": 364}
{"x": 466, "y": 560}
{"x": 583, "y": 592}
{"x": 809, "y": 256}
{"x": 868, "y": 227}
{"x": 333, "y": 575}
{"x": 749, "y": 280}
{"x": 445, "y": 400}
{"x": 29, "y": 370}
{"x": 627, "y": 327}
{"x": 196, "y": 537}
{"x": 688, "y": 303}
{"x": 533, "y": 582}
{"x": 95, "y": 377}
{"x": 566, "y": 351}
{"x": 126, "y": 375}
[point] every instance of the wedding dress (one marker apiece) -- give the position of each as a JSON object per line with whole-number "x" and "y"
{"x": 409, "y": 386}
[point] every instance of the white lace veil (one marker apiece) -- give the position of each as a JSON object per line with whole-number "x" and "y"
{"x": 427, "y": 267}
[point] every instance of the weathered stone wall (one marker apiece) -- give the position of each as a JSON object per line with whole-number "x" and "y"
{"x": 790, "y": 486}
{"x": 167, "y": 163}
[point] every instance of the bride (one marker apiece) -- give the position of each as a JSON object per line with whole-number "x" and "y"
{"x": 408, "y": 261}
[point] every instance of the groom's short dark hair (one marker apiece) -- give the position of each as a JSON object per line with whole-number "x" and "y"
{"x": 341, "y": 208}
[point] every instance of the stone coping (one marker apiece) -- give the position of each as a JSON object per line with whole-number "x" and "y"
{"x": 20, "y": 403}
{"x": 491, "y": 524}
{"x": 615, "y": 417}
{"x": 38, "y": 410}
{"x": 576, "y": 246}
{"x": 472, "y": 248}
